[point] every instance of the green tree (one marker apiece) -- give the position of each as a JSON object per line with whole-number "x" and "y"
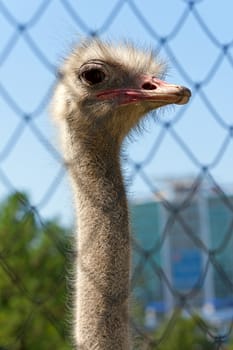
{"x": 33, "y": 268}
{"x": 184, "y": 333}
{"x": 180, "y": 333}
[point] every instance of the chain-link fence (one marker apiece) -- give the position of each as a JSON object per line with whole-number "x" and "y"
{"x": 196, "y": 139}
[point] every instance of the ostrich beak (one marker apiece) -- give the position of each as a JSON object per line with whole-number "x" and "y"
{"x": 150, "y": 89}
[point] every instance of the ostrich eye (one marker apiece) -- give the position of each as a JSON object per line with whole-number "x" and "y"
{"x": 93, "y": 76}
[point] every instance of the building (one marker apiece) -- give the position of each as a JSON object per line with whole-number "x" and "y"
{"x": 184, "y": 247}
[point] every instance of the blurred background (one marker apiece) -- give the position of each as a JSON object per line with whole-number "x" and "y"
{"x": 178, "y": 174}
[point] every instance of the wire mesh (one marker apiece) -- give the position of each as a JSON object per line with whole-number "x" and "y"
{"x": 26, "y": 118}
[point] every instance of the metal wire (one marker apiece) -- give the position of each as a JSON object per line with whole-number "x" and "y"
{"x": 27, "y": 121}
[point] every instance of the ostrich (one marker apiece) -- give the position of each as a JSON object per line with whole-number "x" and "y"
{"x": 102, "y": 94}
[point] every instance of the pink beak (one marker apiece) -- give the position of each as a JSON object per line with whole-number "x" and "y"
{"x": 149, "y": 89}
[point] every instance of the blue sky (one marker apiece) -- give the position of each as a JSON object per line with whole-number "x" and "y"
{"x": 193, "y": 50}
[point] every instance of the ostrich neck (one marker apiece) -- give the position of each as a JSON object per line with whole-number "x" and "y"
{"x": 103, "y": 244}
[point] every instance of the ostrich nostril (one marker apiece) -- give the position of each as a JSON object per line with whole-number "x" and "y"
{"x": 149, "y": 86}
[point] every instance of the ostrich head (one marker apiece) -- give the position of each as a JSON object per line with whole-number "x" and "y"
{"x": 106, "y": 90}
